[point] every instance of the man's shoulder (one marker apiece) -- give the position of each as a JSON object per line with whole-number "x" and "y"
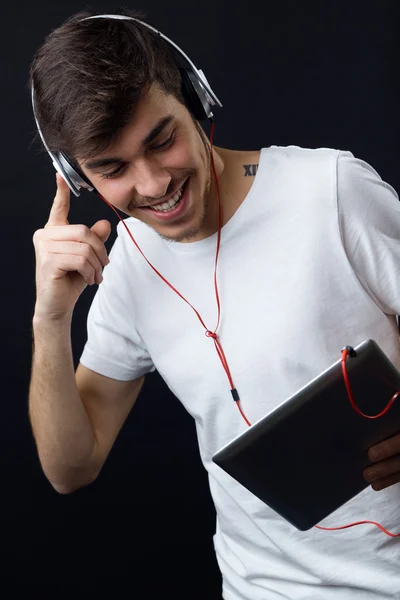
{"x": 302, "y": 152}
{"x": 300, "y": 161}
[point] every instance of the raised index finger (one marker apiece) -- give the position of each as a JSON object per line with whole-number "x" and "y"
{"x": 60, "y": 207}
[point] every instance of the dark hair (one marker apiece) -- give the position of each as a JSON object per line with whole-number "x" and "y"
{"x": 89, "y": 76}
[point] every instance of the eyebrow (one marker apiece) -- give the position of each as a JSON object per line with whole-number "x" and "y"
{"x": 112, "y": 160}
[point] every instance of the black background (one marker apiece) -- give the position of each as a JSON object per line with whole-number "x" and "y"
{"x": 305, "y": 73}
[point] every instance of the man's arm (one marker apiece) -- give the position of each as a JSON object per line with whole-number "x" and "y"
{"x": 75, "y": 417}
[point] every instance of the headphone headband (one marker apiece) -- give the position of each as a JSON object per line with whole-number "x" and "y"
{"x": 198, "y": 94}
{"x": 186, "y": 60}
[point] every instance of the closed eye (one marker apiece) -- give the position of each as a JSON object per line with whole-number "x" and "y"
{"x": 163, "y": 146}
{"x": 113, "y": 173}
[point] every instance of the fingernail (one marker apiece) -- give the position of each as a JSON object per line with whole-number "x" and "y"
{"x": 375, "y": 455}
{"x": 370, "y": 475}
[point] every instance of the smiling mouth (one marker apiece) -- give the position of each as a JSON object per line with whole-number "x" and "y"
{"x": 169, "y": 204}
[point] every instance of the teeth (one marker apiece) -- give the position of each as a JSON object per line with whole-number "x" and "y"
{"x": 171, "y": 202}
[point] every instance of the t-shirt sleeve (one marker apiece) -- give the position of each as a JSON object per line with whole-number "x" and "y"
{"x": 369, "y": 219}
{"x": 114, "y": 347}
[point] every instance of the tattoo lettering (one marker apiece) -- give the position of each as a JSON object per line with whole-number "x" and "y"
{"x": 250, "y": 170}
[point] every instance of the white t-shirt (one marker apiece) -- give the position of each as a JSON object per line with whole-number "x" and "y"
{"x": 309, "y": 263}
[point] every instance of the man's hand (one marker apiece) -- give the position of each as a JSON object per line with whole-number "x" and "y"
{"x": 386, "y": 470}
{"x": 68, "y": 257}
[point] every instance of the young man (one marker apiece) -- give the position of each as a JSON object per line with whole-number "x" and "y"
{"x": 309, "y": 259}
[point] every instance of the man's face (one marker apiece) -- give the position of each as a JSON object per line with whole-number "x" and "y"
{"x": 161, "y": 156}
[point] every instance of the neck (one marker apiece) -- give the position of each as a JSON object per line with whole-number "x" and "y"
{"x": 212, "y": 196}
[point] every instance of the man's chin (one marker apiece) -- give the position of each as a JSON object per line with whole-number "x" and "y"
{"x": 190, "y": 231}
{"x": 184, "y": 236}
{"x": 187, "y": 229}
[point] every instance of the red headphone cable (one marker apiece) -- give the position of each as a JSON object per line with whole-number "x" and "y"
{"x": 208, "y": 333}
{"x": 345, "y": 354}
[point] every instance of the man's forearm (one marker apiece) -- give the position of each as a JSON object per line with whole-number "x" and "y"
{"x": 61, "y": 426}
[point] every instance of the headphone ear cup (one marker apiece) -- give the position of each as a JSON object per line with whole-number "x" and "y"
{"x": 75, "y": 171}
{"x": 192, "y": 97}
{"x": 75, "y": 178}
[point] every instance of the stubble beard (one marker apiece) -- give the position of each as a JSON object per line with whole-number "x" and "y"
{"x": 190, "y": 234}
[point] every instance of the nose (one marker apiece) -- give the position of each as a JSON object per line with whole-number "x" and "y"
{"x": 151, "y": 180}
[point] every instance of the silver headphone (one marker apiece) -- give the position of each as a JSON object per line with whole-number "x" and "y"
{"x": 197, "y": 92}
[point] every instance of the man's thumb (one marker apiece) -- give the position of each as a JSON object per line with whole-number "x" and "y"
{"x": 102, "y": 229}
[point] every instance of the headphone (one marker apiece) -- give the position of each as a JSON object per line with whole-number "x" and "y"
{"x": 197, "y": 93}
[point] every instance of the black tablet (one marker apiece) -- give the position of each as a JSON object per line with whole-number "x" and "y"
{"x": 305, "y": 458}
